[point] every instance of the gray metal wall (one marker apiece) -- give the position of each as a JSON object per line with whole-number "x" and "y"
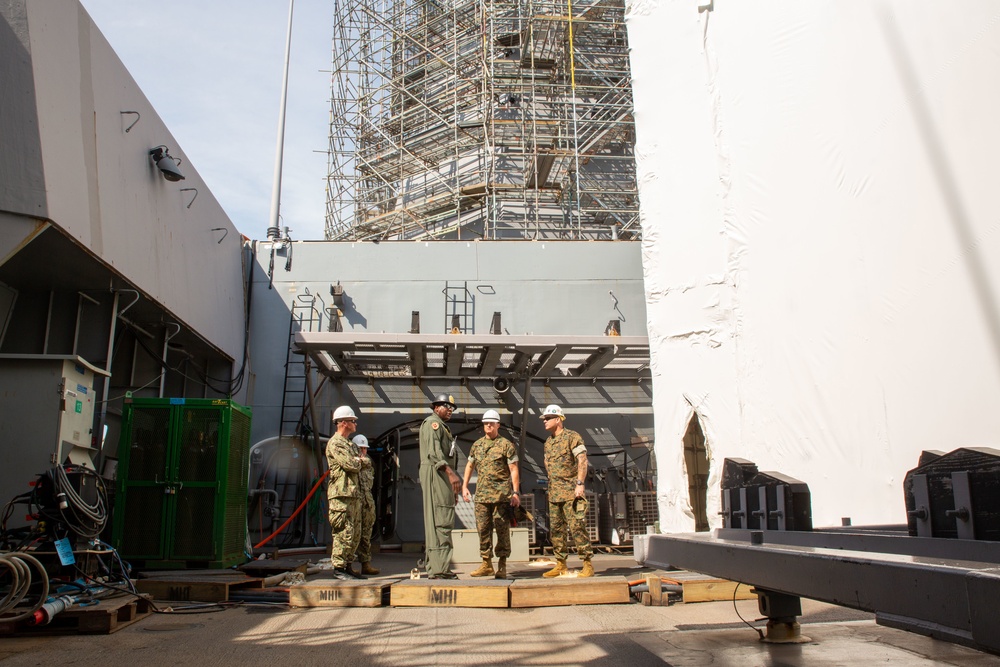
{"x": 65, "y": 157}
{"x": 543, "y": 288}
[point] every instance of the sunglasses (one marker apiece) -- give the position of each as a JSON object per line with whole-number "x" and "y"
{"x": 549, "y": 417}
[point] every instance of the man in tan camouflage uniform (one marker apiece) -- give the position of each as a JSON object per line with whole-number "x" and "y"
{"x": 566, "y": 464}
{"x": 495, "y": 460}
{"x": 367, "y": 478}
{"x": 343, "y": 492}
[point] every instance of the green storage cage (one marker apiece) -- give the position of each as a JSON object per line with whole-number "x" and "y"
{"x": 182, "y": 483}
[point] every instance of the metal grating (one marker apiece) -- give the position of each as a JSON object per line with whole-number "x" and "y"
{"x": 528, "y": 503}
{"x": 142, "y": 530}
{"x": 642, "y": 510}
{"x": 193, "y": 524}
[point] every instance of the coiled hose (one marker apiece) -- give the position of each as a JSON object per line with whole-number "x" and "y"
{"x": 17, "y": 564}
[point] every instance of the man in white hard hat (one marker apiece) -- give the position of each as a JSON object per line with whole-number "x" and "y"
{"x": 494, "y": 459}
{"x": 343, "y": 492}
{"x": 439, "y": 486}
{"x": 566, "y": 466}
{"x": 367, "y": 478}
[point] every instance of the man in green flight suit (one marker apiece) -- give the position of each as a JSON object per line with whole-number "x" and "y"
{"x": 498, "y": 479}
{"x": 367, "y": 479}
{"x": 566, "y": 464}
{"x": 343, "y": 492}
{"x": 439, "y": 487}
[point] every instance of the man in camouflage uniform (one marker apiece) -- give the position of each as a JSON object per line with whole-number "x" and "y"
{"x": 367, "y": 479}
{"x": 343, "y": 493}
{"x": 439, "y": 486}
{"x": 566, "y": 465}
{"x": 495, "y": 461}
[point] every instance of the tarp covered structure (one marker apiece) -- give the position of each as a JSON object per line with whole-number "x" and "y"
{"x": 818, "y": 192}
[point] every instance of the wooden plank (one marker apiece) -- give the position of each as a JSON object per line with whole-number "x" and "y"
{"x": 712, "y": 590}
{"x": 200, "y": 589}
{"x": 655, "y": 590}
{"x": 269, "y": 567}
{"x": 337, "y": 593}
{"x": 568, "y": 591}
{"x": 491, "y": 593}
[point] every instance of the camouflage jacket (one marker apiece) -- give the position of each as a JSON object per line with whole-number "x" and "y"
{"x": 436, "y": 444}
{"x": 341, "y": 456}
{"x": 492, "y": 460}
{"x": 366, "y": 476}
{"x": 560, "y": 463}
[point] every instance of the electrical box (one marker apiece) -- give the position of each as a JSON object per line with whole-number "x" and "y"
{"x": 182, "y": 483}
{"x": 49, "y": 403}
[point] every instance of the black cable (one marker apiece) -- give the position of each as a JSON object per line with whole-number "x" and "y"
{"x": 759, "y": 632}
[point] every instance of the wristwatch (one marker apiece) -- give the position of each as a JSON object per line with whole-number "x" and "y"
{"x": 579, "y": 483}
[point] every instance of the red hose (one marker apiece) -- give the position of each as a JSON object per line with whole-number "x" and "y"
{"x": 294, "y": 514}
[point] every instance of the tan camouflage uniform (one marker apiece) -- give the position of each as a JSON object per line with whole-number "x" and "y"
{"x": 566, "y": 511}
{"x": 343, "y": 492}
{"x": 367, "y": 479}
{"x": 492, "y": 460}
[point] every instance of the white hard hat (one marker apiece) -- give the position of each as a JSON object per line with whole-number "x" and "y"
{"x": 344, "y": 412}
{"x": 553, "y": 410}
{"x": 491, "y": 416}
{"x": 360, "y": 440}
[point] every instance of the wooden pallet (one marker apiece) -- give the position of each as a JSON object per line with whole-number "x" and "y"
{"x": 562, "y": 591}
{"x": 489, "y": 593}
{"x": 195, "y": 587}
{"x": 338, "y": 593}
{"x": 101, "y": 619}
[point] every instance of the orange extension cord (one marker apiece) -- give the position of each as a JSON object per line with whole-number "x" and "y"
{"x": 294, "y": 514}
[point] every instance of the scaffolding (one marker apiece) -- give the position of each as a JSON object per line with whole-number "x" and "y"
{"x": 463, "y": 119}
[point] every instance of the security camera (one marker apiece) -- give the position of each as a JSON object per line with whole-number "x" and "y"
{"x": 501, "y": 385}
{"x": 165, "y": 163}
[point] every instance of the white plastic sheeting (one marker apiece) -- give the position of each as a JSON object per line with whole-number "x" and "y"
{"x": 818, "y": 188}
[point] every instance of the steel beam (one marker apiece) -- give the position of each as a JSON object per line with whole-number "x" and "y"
{"x": 944, "y": 598}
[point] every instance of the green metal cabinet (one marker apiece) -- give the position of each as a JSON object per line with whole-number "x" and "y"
{"x": 182, "y": 483}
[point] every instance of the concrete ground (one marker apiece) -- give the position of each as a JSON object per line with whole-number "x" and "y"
{"x": 708, "y": 633}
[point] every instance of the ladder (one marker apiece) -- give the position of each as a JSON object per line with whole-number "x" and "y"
{"x": 306, "y": 316}
{"x": 459, "y": 308}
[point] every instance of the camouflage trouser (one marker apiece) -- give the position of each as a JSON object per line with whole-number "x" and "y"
{"x": 490, "y": 517}
{"x": 366, "y": 523}
{"x": 571, "y": 517}
{"x": 345, "y": 524}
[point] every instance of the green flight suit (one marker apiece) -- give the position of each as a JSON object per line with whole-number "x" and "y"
{"x": 437, "y": 450}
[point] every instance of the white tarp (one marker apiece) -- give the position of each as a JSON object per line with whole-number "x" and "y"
{"x": 818, "y": 188}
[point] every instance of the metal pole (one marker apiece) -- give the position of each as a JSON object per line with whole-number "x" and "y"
{"x": 318, "y": 449}
{"x": 274, "y": 229}
{"x": 524, "y": 416}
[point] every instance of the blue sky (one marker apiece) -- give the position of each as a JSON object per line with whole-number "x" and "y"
{"x": 212, "y": 70}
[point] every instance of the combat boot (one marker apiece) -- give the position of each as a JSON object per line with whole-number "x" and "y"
{"x": 501, "y": 568}
{"x": 366, "y": 568}
{"x": 587, "y": 570}
{"x": 560, "y": 568}
{"x": 484, "y": 570}
{"x": 349, "y": 569}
